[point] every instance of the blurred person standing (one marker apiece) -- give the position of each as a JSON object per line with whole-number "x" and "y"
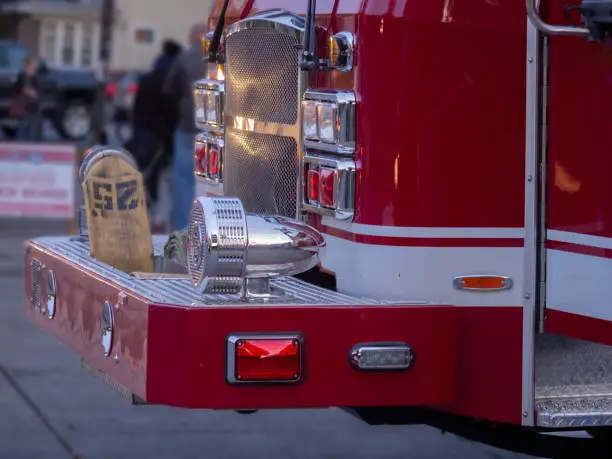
{"x": 185, "y": 71}
{"x": 27, "y": 95}
{"x": 154, "y": 120}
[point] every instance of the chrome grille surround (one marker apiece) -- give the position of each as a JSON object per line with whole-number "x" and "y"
{"x": 263, "y": 86}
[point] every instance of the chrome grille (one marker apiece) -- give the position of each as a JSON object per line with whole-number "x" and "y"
{"x": 195, "y": 234}
{"x": 262, "y": 76}
{"x": 262, "y": 93}
{"x": 261, "y": 170}
{"x": 35, "y": 285}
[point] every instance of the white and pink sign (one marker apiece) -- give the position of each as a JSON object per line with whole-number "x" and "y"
{"x": 37, "y": 179}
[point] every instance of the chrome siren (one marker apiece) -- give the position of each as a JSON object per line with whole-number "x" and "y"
{"x": 230, "y": 251}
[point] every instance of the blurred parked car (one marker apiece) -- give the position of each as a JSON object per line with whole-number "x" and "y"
{"x": 123, "y": 102}
{"x": 67, "y": 96}
{"x": 111, "y": 84}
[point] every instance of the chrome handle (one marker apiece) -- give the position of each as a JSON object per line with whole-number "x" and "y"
{"x": 538, "y": 23}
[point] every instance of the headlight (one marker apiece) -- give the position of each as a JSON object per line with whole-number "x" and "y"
{"x": 208, "y": 103}
{"x": 328, "y": 121}
{"x": 230, "y": 251}
{"x": 309, "y": 119}
{"x": 327, "y": 115}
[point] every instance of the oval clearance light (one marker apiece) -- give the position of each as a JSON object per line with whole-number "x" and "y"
{"x": 382, "y": 357}
{"x": 264, "y": 359}
{"x": 482, "y": 282}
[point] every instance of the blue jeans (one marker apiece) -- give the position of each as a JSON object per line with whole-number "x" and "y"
{"x": 183, "y": 180}
{"x": 30, "y": 127}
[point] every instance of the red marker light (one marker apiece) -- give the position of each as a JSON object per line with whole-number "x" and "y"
{"x": 212, "y": 162}
{"x": 199, "y": 156}
{"x": 266, "y": 360}
{"x": 327, "y": 187}
{"x": 313, "y": 186}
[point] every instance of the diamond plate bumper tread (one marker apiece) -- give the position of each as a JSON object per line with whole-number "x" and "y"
{"x": 179, "y": 291}
{"x": 573, "y": 383}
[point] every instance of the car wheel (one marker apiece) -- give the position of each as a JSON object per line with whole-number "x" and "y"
{"x": 75, "y": 120}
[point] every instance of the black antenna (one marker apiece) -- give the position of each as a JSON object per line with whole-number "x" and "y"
{"x": 310, "y": 60}
{"x": 213, "y": 52}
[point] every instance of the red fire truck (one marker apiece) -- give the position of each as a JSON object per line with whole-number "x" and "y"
{"x": 402, "y": 212}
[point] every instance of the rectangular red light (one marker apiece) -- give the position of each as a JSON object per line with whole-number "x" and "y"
{"x": 264, "y": 359}
{"x": 327, "y": 185}
{"x": 313, "y": 186}
{"x": 199, "y": 157}
{"x": 212, "y": 162}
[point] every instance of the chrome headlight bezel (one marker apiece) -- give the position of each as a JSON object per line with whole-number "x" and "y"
{"x": 208, "y": 100}
{"x": 343, "y": 170}
{"x": 336, "y": 108}
{"x": 341, "y": 47}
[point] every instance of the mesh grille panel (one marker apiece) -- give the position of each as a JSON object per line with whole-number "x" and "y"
{"x": 35, "y": 287}
{"x": 261, "y": 170}
{"x": 194, "y": 244}
{"x": 262, "y": 76}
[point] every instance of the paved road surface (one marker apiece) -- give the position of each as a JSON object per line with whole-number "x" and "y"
{"x": 50, "y": 408}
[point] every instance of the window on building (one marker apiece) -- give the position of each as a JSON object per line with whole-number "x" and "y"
{"x": 87, "y": 46}
{"x": 49, "y": 40}
{"x": 68, "y": 45}
{"x": 144, "y": 36}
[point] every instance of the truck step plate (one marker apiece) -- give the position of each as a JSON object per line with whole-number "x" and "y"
{"x": 573, "y": 382}
{"x": 157, "y": 341}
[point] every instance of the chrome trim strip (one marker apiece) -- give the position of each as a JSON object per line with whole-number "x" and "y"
{"x": 242, "y": 123}
{"x": 230, "y": 364}
{"x": 537, "y": 23}
{"x": 532, "y": 99}
{"x": 277, "y": 21}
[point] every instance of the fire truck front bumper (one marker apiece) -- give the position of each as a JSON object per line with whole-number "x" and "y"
{"x": 157, "y": 341}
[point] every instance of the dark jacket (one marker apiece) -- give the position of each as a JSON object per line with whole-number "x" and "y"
{"x": 23, "y": 80}
{"x": 185, "y": 71}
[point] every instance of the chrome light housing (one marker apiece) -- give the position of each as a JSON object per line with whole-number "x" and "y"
{"x": 341, "y": 51}
{"x": 230, "y": 251}
{"x": 208, "y": 103}
{"x": 328, "y": 121}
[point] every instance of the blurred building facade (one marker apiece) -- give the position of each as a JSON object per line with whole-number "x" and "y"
{"x": 66, "y": 33}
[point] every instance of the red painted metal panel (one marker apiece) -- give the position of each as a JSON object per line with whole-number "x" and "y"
{"x": 187, "y": 347}
{"x": 579, "y": 151}
{"x": 77, "y": 321}
{"x": 440, "y": 90}
{"x": 468, "y": 359}
{"x": 489, "y": 364}
{"x": 579, "y": 326}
